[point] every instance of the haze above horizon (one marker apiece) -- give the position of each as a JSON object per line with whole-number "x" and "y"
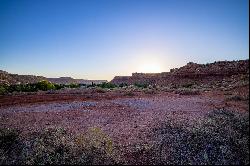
{"x": 98, "y": 39}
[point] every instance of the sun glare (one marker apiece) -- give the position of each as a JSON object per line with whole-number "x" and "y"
{"x": 150, "y": 68}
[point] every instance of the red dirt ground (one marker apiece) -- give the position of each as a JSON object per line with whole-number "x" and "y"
{"x": 126, "y": 119}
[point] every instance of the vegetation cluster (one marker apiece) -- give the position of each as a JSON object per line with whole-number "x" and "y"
{"x": 222, "y": 138}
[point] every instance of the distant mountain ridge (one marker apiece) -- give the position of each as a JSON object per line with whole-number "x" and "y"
{"x": 9, "y": 78}
{"x": 69, "y": 80}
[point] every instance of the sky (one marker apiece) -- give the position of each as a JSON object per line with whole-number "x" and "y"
{"x": 99, "y": 39}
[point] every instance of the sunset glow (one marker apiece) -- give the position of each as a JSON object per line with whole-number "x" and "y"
{"x": 150, "y": 68}
{"x": 97, "y": 39}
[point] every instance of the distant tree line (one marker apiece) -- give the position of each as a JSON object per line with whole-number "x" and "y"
{"x": 46, "y": 85}
{"x": 34, "y": 87}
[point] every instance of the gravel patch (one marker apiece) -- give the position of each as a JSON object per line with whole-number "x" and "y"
{"x": 187, "y": 104}
{"x": 139, "y": 104}
{"x": 52, "y": 107}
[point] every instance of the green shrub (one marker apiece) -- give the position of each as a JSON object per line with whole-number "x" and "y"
{"x": 42, "y": 85}
{"x": 141, "y": 85}
{"x": 29, "y": 87}
{"x": 74, "y": 85}
{"x": 91, "y": 85}
{"x": 45, "y": 85}
{"x": 107, "y": 85}
{"x": 123, "y": 85}
{"x": 188, "y": 85}
{"x": 59, "y": 86}
{"x": 3, "y": 90}
{"x": 187, "y": 91}
{"x": 15, "y": 88}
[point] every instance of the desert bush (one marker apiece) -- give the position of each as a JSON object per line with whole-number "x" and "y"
{"x": 7, "y": 137}
{"x": 221, "y": 138}
{"x": 59, "y": 86}
{"x": 187, "y": 91}
{"x": 188, "y": 85}
{"x": 107, "y": 85}
{"x": 141, "y": 85}
{"x": 149, "y": 91}
{"x": 244, "y": 79}
{"x": 237, "y": 98}
{"x": 100, "y": 90}
{"x": 46, "y": 147}
{"x": 129, "y": 93}
{"x": 123, "y": 85}
{"x": 96, "y": 138}
{"x": 55, "y": 146}
{"x": 29, "y": 87}
{"x": 3, "y": 89}
{"x": 34, "y": 87}
{"x": 167, "y": 89}
{"x": 22, "y": 88}
{"x": 14, "y": 88}
{"x": 74, "y": 85}
{"x": 97, "y": 147}
{"x": 45, "y": 85}
{"x": 91, "y": 85}
{"x": 173, "y": 86}
{"x": 10, "y": 146}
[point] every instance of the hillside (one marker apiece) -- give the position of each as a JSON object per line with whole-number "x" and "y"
{"x": 190, "y": 74}
{"x": 8, "y": 78}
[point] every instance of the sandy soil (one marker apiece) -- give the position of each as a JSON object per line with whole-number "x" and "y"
{"x": 126, "y": 119}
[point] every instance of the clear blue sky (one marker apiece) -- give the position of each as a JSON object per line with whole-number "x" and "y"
{"x": 98, "y": 39}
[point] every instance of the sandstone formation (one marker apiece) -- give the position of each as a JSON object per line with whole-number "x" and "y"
{"x": 8, "y": 78}
{"x": 69, "y": 80}
{"x": 192, "y": 73}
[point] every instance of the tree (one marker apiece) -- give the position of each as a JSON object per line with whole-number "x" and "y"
{"x": 45, "y": 85}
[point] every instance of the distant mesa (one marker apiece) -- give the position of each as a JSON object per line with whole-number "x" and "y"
{"x": 69, "y": 80}
{"x": 190, "y": 73}
{"x": 8, "y": 78}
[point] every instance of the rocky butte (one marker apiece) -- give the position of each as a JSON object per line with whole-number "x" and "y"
{"x": 192, "y": 73}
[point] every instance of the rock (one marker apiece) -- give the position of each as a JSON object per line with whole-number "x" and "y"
{"x": 192, "y": 72}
